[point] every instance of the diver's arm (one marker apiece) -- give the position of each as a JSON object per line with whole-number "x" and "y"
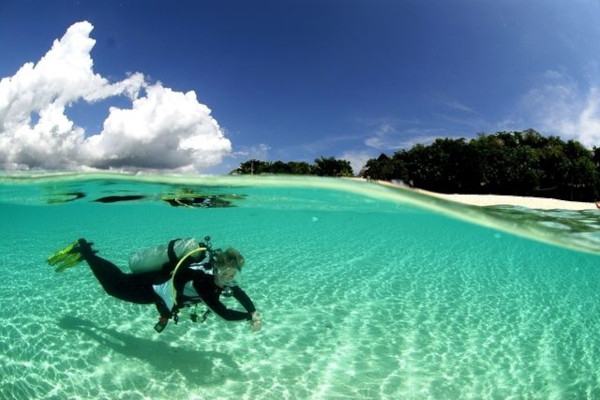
{"x": 212, "y": 301}
{"x": 242, "y": 297}
{"x": 230, "y": 315}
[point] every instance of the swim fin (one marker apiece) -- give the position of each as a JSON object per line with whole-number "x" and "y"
{"x": 70, "y": 256}
{"x": 61, "y": 254}
{"x": 69, "y": 261}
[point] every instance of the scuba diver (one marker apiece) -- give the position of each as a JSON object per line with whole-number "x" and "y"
{"x": 180, "y": 274}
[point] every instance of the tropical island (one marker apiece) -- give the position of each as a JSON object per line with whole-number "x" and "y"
{"x": 505, "y": 163}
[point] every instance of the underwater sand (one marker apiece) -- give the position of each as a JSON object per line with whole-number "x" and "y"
{"x": 367, "y": 292}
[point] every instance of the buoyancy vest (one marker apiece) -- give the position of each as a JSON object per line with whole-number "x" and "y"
{"x": 187, "y": 295}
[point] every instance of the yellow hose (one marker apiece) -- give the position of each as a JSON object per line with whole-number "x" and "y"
{"x": 172, "y": 281}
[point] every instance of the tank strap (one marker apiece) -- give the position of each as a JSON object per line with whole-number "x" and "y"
{"x": 171, "y": 251}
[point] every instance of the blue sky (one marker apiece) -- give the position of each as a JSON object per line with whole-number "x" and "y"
{"x": 292, "y": 80}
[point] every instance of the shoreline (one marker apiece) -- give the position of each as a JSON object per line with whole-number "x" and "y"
{"x": 484, "y": 200}
{"x": 538, "y": 203}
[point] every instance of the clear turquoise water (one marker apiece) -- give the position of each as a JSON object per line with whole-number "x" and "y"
{"x": 367, "y": 292}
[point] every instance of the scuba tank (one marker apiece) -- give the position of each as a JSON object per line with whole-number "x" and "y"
{"x": 153, "y": 259}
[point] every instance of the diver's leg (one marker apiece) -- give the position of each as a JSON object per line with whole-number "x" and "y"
{"x": 135, "y": 288}
{"x": 109, "y": 275}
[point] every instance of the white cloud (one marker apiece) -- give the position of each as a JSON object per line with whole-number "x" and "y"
{"x": 163, "y": 129}
{"x": 553, "y": 75}
{"x": 387, "y": 137}
{"x": 258, "y": 152}
{"x": 384, "y": 137}
{"x": 357, "y": 159}
{"x": 451, "y": 103}
{"x": 561, "y": 107}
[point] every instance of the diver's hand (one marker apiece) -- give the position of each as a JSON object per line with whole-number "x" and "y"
{"x": 256, "y": 322}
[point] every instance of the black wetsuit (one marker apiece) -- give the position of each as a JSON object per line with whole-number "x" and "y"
{"x": 137, "y": 288}
{"x": 209, "y": 293}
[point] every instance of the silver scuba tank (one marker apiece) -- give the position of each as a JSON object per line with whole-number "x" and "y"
{"x": 153, "y": 258}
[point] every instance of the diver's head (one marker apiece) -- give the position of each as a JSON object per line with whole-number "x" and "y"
{"x": 228, "y": 263}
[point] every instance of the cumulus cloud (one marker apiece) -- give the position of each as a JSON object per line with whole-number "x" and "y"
{"x": 559, "y": 106}
{"x": 163, "y": 129}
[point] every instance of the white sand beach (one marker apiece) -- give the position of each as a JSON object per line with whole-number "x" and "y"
{"x": 538, "y": 203}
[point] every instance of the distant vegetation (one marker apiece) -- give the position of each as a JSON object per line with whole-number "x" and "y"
{"x": 322, "y": 167}
{"x": 512, "y": 163}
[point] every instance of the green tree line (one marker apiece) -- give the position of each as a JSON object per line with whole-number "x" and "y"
{"x": 324, "y": 166}
{"x": 513, "y": 163}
